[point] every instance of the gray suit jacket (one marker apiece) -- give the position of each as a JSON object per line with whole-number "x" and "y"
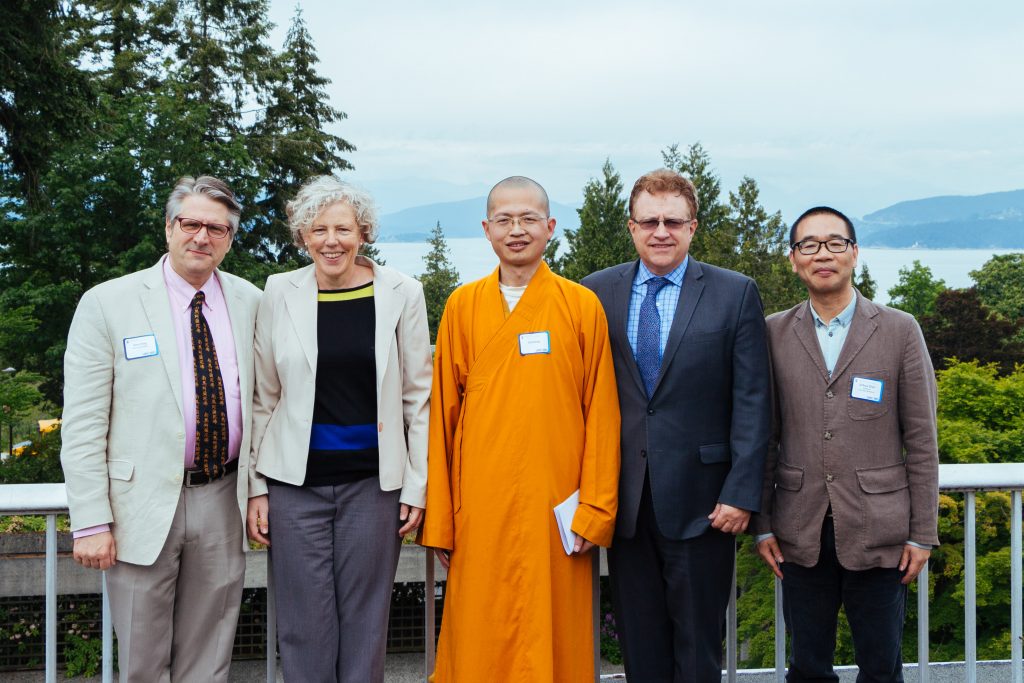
{"x": 702, "y": 437}
{"x": 123, "y": 435}
{"x": 876, "y": 463}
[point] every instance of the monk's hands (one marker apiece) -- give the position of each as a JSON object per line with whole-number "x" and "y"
{"x": 411, "y": 516}
{"x": 582, "y": 546}
{"x": 444, "y": 557}
{"x": 770, "y": 552}
{"x": 97, "y": 551}
{"x": 912, "y": 562}
{"x": 728, "y": 519}
{"x": 257, "y": 519}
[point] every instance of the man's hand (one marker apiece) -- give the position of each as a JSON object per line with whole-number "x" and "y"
{"x": 912, "y": 562}
{"x": 582, "y": 546}
{"x": 257, "y": 519}
{"x": 769, "y": 551}
{"x": 728, "y": 519}
{"x": 96, "y": 551}
{"x": 444, "y": 557}
{"x": 412, "y": 516}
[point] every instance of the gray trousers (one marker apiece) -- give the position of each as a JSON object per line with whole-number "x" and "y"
{"x": 334, "y": 552}
{"x": 175, "y": 619}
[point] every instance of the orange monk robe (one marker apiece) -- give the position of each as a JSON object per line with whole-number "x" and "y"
{"x": 511, "y": 436}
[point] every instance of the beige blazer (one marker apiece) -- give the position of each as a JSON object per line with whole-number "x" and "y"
{"x": 875, "y": 463}
{"x": 286, "y": 359}
{"x": 123, "y": 432}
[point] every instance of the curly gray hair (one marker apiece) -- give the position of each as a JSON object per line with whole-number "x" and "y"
{"x": 322, "y": 191}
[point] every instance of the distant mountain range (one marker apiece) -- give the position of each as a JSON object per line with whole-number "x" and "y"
{"x": 990, "y": 221}
{"x": 458, "y": 219}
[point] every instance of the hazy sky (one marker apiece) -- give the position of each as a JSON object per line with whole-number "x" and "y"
{"x": 855, "y": 104}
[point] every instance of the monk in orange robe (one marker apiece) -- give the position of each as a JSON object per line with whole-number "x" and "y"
{"x": 524, "y": 412}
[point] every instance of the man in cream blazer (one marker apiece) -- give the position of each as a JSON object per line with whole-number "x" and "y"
{"x": 168, "y": 532}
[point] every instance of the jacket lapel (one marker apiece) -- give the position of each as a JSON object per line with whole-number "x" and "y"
{"x": 689, "y": 298}
{"x": 242, "y": 334}
{"x": 301, "y": 304}
{"x": 803, "y": 328}
{"x": 387, "y": 309}
{"x": 157, "y": 306}
{"x": 862, "y": 327}
{"x": 622, "y": 292}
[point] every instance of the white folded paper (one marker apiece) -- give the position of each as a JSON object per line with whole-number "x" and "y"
{"x": 564, "y": 513}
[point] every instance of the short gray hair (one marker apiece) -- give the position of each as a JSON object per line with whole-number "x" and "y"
{"x": 322, "y": 191}
{"x": 207, "y": 186}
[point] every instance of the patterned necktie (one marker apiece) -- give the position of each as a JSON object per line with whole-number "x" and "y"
{"x": 648, "y": 336}
{"x": 211, "y": 407}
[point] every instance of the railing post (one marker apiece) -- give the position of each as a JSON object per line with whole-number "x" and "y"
{"x": 730, "y": 625}
{"x": 780, "y": 635}
{"x": 970, "y": 593}
{"x": 51, "y": 598}
{"x": 922, "y": 625}
{"x": 429, "y": 614}
{"x": 595, "y": 582}
{"x": 271, "y": 623}
{"x": 1015, "y": 589}
{"x": 108, "y": 636}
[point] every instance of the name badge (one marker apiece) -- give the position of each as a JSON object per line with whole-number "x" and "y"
{"x": 140, "y": 347}
{"x": 531, "y": 343}
{"x": 867, "y": 389}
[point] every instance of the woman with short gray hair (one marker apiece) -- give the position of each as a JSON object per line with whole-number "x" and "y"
{"x": 339, "y": 454}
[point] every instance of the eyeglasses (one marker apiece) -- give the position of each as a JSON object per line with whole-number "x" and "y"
{"x": 836, "y": 245}
{"x": 192, "y": 226}
{"x": 530, "y": 220}
{"x": 670, "y": 223}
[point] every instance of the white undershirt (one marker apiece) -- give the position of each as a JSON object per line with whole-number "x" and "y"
{"x": 512, "y": 295}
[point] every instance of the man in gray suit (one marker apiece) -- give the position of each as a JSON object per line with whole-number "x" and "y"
{"x": 848, "y": 515}
{"x": 691, "y": 363}
{"x": 158, "y": 384}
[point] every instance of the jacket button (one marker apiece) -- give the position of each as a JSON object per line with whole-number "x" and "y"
{"x": 643, "y": 454}
{"x": 830, "y": 394}
{"x": 829, "y": 478}
{"x": 828, "y": 436}
{"x": 650, "y": 411}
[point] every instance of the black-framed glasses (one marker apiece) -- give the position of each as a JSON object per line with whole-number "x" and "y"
{"x": 836, "y": 245}
{"x": 192, "y": 226}
{"x": 670, "y": 223}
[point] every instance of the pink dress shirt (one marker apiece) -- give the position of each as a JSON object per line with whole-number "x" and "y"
{"x": 180, "y": 294}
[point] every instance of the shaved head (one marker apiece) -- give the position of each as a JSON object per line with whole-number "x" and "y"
{"x": 519, "y": 182}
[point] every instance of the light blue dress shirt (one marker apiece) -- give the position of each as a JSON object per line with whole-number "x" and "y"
{"x": 666, "y": 301}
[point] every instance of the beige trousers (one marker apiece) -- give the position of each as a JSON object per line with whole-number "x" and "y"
{"x": 175, "y": 619}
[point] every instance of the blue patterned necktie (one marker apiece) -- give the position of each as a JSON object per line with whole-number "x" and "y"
{"x": 648, "y": 336}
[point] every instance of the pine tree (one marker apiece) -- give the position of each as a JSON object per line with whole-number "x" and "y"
{"x": 714, "y": 241}
{"x": 865, "y": 283}
{"x": 602, "y": 239}
{"x": 439, "y": 279}
{"x": 373, "y": 253}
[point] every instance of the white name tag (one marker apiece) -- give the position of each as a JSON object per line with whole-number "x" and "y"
{"x": 867, "y": 389}
{"x": 534, "y": 342}
{"x": 140, "y": 347}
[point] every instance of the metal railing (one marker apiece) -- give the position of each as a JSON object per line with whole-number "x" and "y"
{"x": 51, "y": 500}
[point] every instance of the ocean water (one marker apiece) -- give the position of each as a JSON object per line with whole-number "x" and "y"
{"x": 474, "y": 259}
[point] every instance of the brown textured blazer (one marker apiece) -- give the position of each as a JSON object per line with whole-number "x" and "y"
{"x": 875, "y": 463}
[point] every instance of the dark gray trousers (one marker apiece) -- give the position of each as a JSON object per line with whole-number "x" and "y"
{"x": 334, "y": 552}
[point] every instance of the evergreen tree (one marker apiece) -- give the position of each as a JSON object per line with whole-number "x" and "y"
{"x": 439, "y": 279}
{"x": 551, "y": 257}
{"x": 865, "y": 283}
{"x": 602, "y": 239}
{"x": 1000, "y": 284}
{"x": 714, "y": 240}
{"x": 373, "y": 253}
{"x": 916, "y": 290}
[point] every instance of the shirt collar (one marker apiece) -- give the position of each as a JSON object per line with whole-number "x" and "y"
{"x": 643, "y": 274}
{"x": 844, "y": 318}
{"x": 182, "y": 292}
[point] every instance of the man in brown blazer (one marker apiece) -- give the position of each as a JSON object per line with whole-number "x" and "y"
{"x": 848, "y": 513}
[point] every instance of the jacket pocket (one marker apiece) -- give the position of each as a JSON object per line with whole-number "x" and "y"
{"x": 120, "y": 469}
{"x": 885, "y": 505}
{"x": 715, "y": 453}
{"x": 863, "y": 409}
{"x": 787, "y": 509}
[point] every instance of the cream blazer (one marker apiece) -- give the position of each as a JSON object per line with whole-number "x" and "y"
{"x": 123, "y": 436}
{"x": 286, "y": 359}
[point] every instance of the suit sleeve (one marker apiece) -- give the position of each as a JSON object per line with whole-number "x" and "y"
{"x": 761, "y": 522}
{"x": 438, "y": 530}
{"x": 751, "y": 405}
{"x": 917, "y": 406}
{"x": 267, "y": 387}
{"x": 414, "y": 352}
{"x": 599, "y": 478}
{"x": 88, "y": 393}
